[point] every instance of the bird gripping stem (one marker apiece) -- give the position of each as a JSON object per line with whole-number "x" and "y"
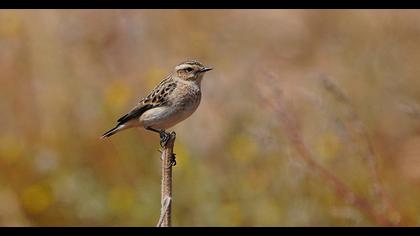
{"x": 167, "y": 161}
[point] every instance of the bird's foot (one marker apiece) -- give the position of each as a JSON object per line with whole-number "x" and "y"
{"x": 172, "y": 160}
{"x": 165, "y": 137}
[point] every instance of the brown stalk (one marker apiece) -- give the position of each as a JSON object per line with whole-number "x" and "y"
{"x": 292, "y": 132}
{"x": 166, "y": 185}
{"x": 354, "y": 124}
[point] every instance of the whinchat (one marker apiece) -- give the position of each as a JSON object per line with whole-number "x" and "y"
{"x": 173, "y": 100}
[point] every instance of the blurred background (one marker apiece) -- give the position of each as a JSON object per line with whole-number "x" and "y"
{"x": 310, "y": 117}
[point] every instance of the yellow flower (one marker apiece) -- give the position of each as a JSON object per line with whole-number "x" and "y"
{"x": 120, "y": 199}
{"x": 117, "y": 94}
{"x": 243, "y": 148}
{"x": 36, "y": 198}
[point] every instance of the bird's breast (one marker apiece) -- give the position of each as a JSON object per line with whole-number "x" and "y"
{"x": 181, "y": 104}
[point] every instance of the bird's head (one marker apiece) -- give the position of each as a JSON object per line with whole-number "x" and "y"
{"x": 191, "y": 71}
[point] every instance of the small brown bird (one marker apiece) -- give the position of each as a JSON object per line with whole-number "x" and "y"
{"x": 170, "y": 102}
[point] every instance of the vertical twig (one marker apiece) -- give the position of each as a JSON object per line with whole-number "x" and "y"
{"x": 166, "y": 185}
{"x": 356, "y": 127}
{"x": 269, "y": 95}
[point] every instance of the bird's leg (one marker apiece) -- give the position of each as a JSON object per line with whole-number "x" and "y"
{"x": 164, "y": 136}
{"x": 172, "y": 161}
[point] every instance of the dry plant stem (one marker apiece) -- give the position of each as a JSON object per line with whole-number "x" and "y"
{"x": 293, "y": 133}
{"x": 342, "y": 190}
{"x": 166, "y": 185}
{"x": 354, "y": 123}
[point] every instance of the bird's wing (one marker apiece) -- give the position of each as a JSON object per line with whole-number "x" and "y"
{"x": 158, "y": 97}
{"x": 134, "y": 113}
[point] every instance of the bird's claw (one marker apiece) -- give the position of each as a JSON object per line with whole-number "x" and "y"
{"x": 164, "y": 138}
{"x": 172, "y": 161}
{"x": 173, "y": 134}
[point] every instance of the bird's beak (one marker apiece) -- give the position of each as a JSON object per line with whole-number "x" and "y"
{"x": 205, "y": 69}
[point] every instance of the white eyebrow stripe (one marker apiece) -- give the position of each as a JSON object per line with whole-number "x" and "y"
{"x": 183, "y": 66}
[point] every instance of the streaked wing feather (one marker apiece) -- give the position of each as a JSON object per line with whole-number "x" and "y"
{"x": 135, "y": 113}
{"x": 156, "y": 98}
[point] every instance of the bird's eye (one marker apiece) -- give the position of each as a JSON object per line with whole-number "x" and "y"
{"x": 189, "y": 69}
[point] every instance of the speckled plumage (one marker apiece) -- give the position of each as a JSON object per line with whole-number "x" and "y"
{"x": 173, "y": 100}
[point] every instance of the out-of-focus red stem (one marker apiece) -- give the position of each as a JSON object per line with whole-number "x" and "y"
{"x": 341, "y": 189}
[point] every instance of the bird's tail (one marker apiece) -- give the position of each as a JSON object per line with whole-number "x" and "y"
{"x": 111, "y": 131}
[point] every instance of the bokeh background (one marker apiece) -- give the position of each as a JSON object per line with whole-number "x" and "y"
{"x": 310, "y": 117}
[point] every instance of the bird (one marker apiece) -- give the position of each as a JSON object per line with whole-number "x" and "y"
{"x": 173, "y": 100}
